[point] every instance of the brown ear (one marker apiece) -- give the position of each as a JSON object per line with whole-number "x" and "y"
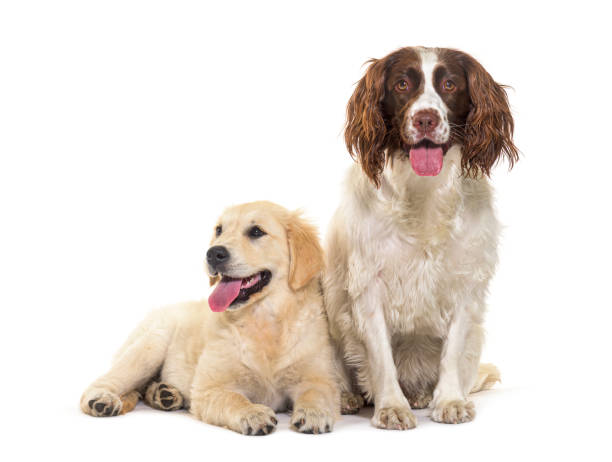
{"x": 365, "y": 132}
{"x": 305, "y": 253}
{"x": 489, "y": 126}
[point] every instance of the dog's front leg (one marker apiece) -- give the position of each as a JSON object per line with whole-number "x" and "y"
{"x": 458, "y": 368}
{"x": 226, "y": 408}
{"x": 315, "y": 405}
{"x": 391, "y": 408}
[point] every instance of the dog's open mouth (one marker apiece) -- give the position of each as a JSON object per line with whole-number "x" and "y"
{"x": 426, "y": 157}
{"x": 233, "y": 291}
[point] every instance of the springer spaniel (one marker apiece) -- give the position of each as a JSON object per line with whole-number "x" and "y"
{"x": 413, "y": 244}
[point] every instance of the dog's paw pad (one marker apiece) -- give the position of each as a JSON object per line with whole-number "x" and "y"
{"x": 394, "y": 418}
{"x": 164, "y": 397}
{"x": 258, "y": 420}
{"x": 350, "y": 403}
{"x": 312, "y": 420}
{"x": 453, "y": 412}
{"x": 101, "y": 404}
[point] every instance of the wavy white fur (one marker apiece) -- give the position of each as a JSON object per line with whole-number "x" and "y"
{"x": 407, "y": 275}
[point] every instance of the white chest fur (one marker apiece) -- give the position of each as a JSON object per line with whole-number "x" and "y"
{"x": 421, "y": 246}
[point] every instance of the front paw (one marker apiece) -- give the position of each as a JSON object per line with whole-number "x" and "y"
{"x": 394, "y": 418}
{"x": 312, "y": 420}
{"x": 453, "y": 412}
{"x": 101, "y": 403}
{"x": 257, "y": 420}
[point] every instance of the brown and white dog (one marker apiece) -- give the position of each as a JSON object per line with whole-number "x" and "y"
{"x": 259, "y": 345}
{"x": 413, "y": 245}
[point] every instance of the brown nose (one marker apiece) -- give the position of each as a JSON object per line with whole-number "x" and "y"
{"x": 425, "y": 121}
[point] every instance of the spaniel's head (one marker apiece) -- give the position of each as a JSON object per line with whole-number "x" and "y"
{"x": 420, "y": 102}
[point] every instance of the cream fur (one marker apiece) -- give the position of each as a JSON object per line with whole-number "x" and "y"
{"x": 236, "y": 368}
{"x": 407, "y": 274}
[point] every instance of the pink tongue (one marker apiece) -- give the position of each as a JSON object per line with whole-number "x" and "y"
{"x": 426, "y": 161}
{"x": 224, "y": 294}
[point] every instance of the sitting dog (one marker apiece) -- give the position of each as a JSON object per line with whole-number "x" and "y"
{"x": 260, "y": 345}
{"x": 413, "y": 245}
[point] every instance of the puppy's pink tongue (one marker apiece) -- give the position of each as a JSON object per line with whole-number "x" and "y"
{"x": 224, "y": 294}
{"x": 426, "y": 161}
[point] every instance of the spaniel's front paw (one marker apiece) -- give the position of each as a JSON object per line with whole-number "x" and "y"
{"x": 453, "y": 412}
{"x": 394, "y": 418}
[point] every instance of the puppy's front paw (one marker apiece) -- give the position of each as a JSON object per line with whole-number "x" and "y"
{"x": 453, "y": 412}
{"x": 394, "y": 418}
{"x": 257, "y": 420}
{"x": 350, "y": 403}
{"x": 312, "y": 420}
{"x": 101, "y": 403}
{"x": 160, "y": 395}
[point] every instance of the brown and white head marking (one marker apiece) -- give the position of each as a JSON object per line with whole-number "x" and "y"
{"x": 419, "y": 102}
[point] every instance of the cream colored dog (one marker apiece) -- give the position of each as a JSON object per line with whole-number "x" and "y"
{"x": 260, "y": 345}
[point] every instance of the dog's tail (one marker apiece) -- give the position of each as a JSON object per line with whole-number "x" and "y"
{"x": 129, "y": 401}
{"x": 488, "y": 374}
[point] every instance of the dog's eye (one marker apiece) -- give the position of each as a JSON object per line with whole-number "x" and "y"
{"x": 402, "y": 86}
{"x": 256, "y": 232}
{"x": 218, "y": 230}
{"x": 448, "y": 85}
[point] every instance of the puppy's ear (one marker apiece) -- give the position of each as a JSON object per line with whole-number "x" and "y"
{"x": 365, "y": 132}
{"x": 214, "y": 279}
{"x": 305, "y": 253}
{"x": 489, "y": 127}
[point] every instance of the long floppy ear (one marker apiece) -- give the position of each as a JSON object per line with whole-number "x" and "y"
{"x": 489, "y": 126}
{"x": 365, "y": 132}
{"x": 305, "y": 253}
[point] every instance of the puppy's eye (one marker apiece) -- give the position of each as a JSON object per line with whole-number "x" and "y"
{"x": 256, "y": 232}
{"x": 218, "y": 230}
{"x": 448, "y": 86}
{"x": 402, "y": 86}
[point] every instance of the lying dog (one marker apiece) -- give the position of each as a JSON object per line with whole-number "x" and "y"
{"x": 413, "y": 244}
{"x": 260, "y": 345}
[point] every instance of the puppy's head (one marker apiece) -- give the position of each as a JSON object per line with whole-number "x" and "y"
{"x": 415, "y": 103}
{"x": 257, "y": 248}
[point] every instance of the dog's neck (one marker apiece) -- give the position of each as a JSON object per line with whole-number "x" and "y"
{"x": 425, "y": 205}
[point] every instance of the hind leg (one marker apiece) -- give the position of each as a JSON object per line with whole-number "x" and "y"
{"x": 139, "y": 360}
{"x": 420, "y": 399}
{"x": 350, "y": 400}
{"x": 162, "y": 396}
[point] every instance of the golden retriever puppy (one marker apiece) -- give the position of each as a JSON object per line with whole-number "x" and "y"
{"x": 259, "y": 345}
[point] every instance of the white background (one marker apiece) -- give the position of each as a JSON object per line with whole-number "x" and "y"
{"x": 126, "y": 127}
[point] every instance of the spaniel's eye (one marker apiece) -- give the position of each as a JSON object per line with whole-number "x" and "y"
{"x": 218, "y": 230}
{"x": 256, "y": 232}
{"x": 448, "y": 85}
{"x": 402, "y": 86}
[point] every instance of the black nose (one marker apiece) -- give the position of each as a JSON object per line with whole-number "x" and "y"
{"x": 217, "y": 255}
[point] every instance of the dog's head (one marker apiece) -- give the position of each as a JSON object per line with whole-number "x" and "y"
{"x": 418, "y": 102}
{"x": 257, "y": 248}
